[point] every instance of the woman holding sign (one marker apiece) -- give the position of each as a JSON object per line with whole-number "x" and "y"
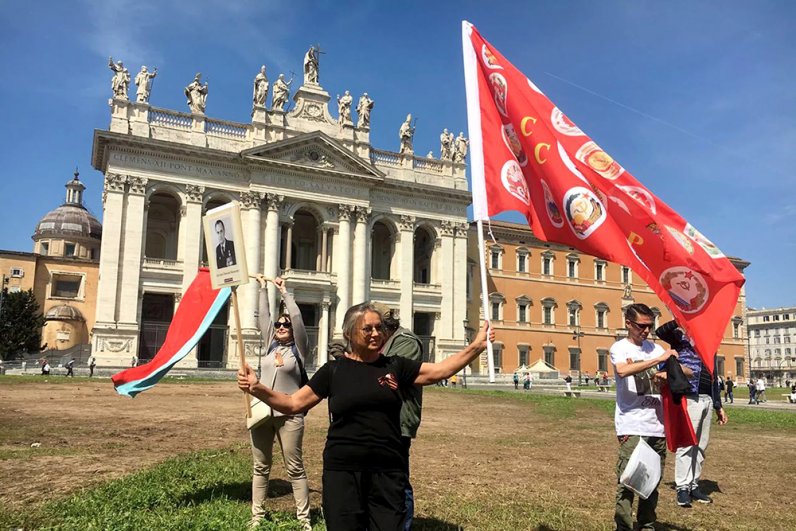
{"x": 283, "y": 370}
{"x": 364, "y": 462}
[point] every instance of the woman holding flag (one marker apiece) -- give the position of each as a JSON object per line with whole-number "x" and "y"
{"x": 283, "y": 367}
{"x": 364, "y": 462}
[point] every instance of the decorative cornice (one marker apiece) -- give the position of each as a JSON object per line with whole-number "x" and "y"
{"x": 194, "y": 193}
{"x": 274, "y": 201}
{"x": 251, "y": 199}
{"x": 362, "y": 214}
{"x": 137, "y": 185}
{"x": 407, "y": 223}
{"x": 115, "y": 182}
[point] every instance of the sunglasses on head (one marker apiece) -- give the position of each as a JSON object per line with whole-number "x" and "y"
{"x": 283, "y": 324}
{"x": 641, "y": 326}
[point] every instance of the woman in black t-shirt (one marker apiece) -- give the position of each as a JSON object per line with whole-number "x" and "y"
{"x": 364, "y": 462}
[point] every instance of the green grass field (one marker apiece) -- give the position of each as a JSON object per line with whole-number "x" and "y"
{"x": 210, "y": 489}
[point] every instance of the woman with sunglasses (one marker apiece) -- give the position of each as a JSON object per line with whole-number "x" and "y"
{"x": 282, "y": 365}
{"x": 365, "y": 460}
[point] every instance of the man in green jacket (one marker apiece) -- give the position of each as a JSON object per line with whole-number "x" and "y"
{"x": 402, "y": 342}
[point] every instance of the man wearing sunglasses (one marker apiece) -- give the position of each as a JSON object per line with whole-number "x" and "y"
{"x": 639, "y": 410}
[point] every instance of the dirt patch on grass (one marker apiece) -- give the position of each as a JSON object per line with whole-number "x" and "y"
{"x": 542, "y": 462}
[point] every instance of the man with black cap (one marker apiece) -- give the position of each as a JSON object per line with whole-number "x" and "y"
{"x": 404, "y": 343}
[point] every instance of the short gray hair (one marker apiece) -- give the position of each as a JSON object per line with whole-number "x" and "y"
{"x": 352, "y": 317}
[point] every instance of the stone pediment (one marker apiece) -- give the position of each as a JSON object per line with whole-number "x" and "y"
{"x": 315, "y": 150}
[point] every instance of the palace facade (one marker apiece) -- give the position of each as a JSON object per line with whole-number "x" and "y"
{"x": 341, "y": 221}
{"x": 771, "y": 353}
{"x": 551, "y": 302}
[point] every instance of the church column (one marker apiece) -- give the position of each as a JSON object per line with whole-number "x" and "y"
{"x": 407, "y": 270}
{"x": 288, "y": 245}
{"x": 343, "y": 265}
{"x": 445, "y": 273}
{"x": 323, "y": 334}
{"x": 129, "y": 299}
{"x": 251, "y": 202}
{"x": 191, "y": 234}
{"x": 359, "y": 289}
{"x": 460, "y": 279}
{"x": 110, "y": 253}
{"x": 324, "y": 248}
{"x": 271, "y": 254}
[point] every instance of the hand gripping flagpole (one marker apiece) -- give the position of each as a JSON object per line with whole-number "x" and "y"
{"x": 477, "y": 171}
{"x": 236, "y": 312}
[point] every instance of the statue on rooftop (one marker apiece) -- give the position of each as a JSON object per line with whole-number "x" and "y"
{"x": 446, "y": 145}
{"x": 260, "y": 91}
{"x": 460, "y": 148}
{"x": 364, "y": 106}
{"x": 281, "y": 93}
{"x": 143, "y": 81}
{"x": 197, "y": 94}
{"x": 311, "y": 65}
{"x": 344, "y": 108}
{"x": 406, "y": 133}
{"x": 121, "y": 78}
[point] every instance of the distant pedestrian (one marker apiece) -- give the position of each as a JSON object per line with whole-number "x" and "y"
{"x": 45, "y": 368}
{"x": 526, "y": 382}
{"x": 568, "y": 382}
{"x": 92, "y": 362}
{"x": 70, "y": 368}
{"x": 453, "y": 380}
{"x": 587, "y": 377}
{"x": 516, "y": 381}
{"x": 729, "y": 385}
{"x": 134, "y": 361}
{"x": 752, "y": 390}
{"x": 760, "y": 388}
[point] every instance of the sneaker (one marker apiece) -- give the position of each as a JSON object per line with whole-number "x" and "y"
{"x": 699, "y": 496}
{"x": 683, "y": 498}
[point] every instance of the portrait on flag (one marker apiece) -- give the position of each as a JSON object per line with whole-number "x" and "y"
{"x": 226, "y": 256}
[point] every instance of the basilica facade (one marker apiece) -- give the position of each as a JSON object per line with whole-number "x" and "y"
{"x": 341, "y": 221}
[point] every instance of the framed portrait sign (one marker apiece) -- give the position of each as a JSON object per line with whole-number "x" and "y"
{"x": 226, "y": 251}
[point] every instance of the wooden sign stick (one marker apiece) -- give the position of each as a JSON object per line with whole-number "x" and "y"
{"x": 246, "y": 396}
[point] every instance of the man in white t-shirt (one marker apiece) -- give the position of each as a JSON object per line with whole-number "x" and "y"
{"x": 639, "y": 410}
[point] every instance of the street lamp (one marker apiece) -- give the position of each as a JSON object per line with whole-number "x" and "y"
{"x": 577, "y": 334}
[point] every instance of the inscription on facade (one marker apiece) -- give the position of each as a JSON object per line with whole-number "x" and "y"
{"x": 173, "y": 166}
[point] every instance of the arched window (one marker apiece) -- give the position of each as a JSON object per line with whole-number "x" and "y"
{"x": 424, "y": 252}
{"x": 382, "y": 251}
{"x": 162, "y": 226}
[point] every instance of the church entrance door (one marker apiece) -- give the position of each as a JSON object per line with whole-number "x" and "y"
{"x": 157, "y": 309}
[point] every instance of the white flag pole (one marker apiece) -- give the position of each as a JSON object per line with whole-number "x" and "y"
{"x": 490, "y": 357}
{"x": 477, "y": 170}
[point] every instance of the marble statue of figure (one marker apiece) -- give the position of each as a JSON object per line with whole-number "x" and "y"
{"x": 430, "y": 155}
{"x": 344, "y": 108}
{"x": 143, "y": 81}
{"x": 281, "y": 93}
{"x": 364, "y": 106}
{"x": 311, "y": 65}
{"x": 260, "y": 91}
{"x": 197, "y": 94}
{"x": 121, "y": 79}
{"x": 460, "y": 148}
{"x": 446, "y": 145}
{"x": 628, "y": 294}
{"x": 406, "y": 134}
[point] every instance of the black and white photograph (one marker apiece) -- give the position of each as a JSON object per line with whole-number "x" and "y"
{"x": 225, "y": 248}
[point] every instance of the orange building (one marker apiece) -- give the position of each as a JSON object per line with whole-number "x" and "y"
{"x": 62, "y": 272}
{"x": 551, "y": 302}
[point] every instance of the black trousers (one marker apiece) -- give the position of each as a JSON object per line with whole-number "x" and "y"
{"x": 362, "y": 500}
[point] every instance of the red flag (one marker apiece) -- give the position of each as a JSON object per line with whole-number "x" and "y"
{"x": 676, "y": 421}
{"x": 528, "y": 156}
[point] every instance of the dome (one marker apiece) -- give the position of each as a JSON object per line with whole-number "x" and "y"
{"x": 63, "y": 313}
{"x": 71, "y": 218}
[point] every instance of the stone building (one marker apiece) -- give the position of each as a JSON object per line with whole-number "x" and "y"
{"x": 771, "y": 353}
{"x": 551, "y": 302}
{"x": 62, "y": 271}
{"x": 342, "y": 221}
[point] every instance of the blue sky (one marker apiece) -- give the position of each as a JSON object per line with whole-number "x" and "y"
{"x": 696, "y": 99}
